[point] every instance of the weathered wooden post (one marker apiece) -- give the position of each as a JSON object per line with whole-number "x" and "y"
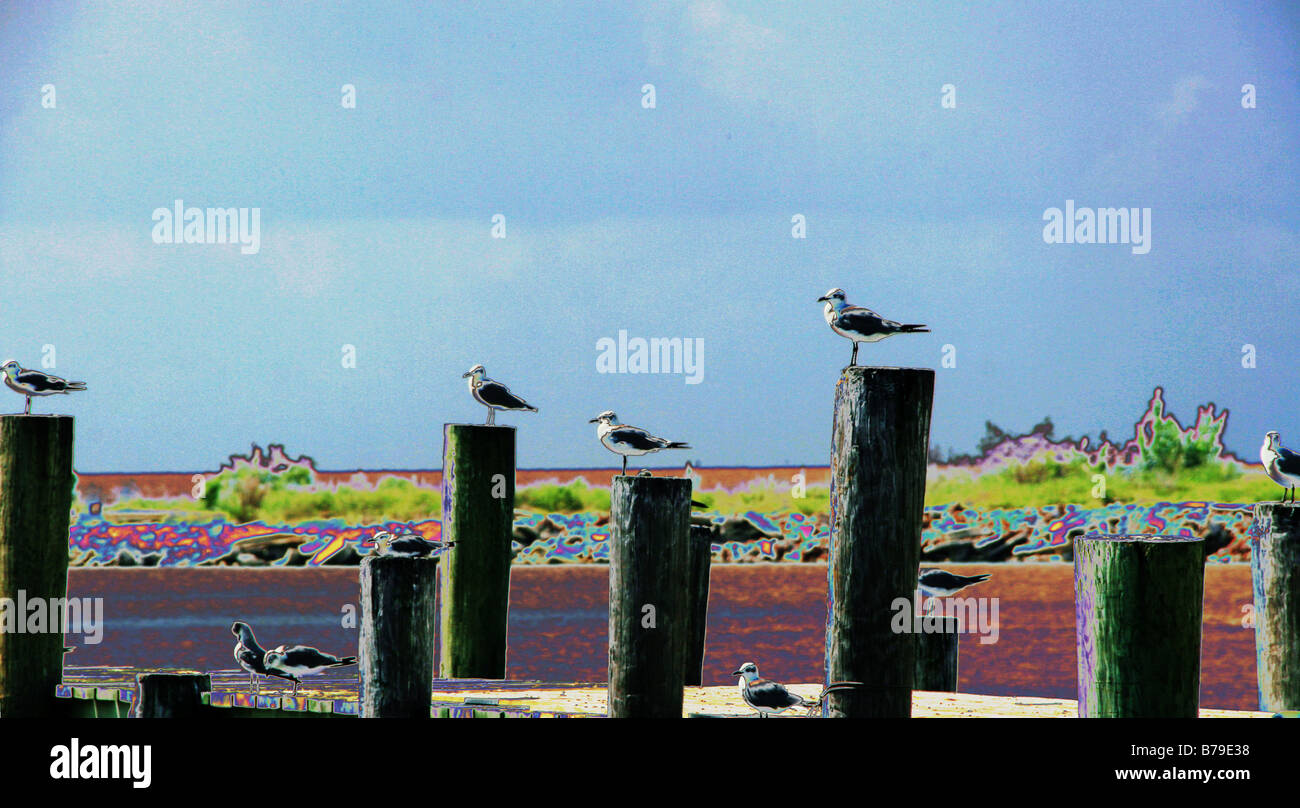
{"x": 936, "y": 656}
{"x": 1137, "y": 605}
{"x": 698, "y": 563}
{"x": 170, "y": 695}
{"x": 649, "y": 609}
{"x": 1275, "y": 572}
{"x": 36, "y": 485}
{"x": 397, "y": 636}
{"x": 879, "y": 450}
{"x": 478, "y": 501}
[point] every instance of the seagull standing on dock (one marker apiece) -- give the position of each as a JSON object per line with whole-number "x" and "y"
{"x": 769, "y": 697}
{"x": 249, "y": 654}
{"x": 1282, "y": 465}
{"x": 408, "y": 545}
{"x": 35, "y": 383}
{"x": 937, "y": 583}
{"x": 625, "y": 440}
{"x": 493, "y": 395}
{"x": 296, "y": 661}
{"x": 860, "y": 324}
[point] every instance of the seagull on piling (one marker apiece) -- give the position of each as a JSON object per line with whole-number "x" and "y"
{"x": 35, "y": 383}
{"x": 249, "y": 654}
{"x": 493, "y": 395}
{"x": 860, "y": 324}
{"x": 937, "y": 583}
{"x": 296, "y": 661}
{"x": 408, "y": 545}
{"x": 1282, "y": 465}
{"x": 768, "y": 697}
{"x": 625, "y": 440}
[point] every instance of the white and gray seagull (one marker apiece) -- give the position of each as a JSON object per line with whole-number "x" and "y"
{"x": 35, "y": 383}
{"x": 409, "y": 545}
{"x": 861, "y": 324}
{"x": 1281, "y": 464}
{"x": 937, "y": 583}
{"x": 768, "y": 697}
{"x": 249, "y": 655}
{"x": 493, "y": 395}
{"x": 628, "y": 441}
{"x": 301, "y": 660}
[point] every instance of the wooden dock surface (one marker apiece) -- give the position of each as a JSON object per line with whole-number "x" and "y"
{"x": 338, "y": 695}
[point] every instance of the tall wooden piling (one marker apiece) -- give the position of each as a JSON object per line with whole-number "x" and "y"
{"x": 1137, "y": 602}
{"x": 879, "y": 448}
{"x": 936, "y": 656}
{"x": 170, "y": 695}
{"x": 36, "y": 484}
{"x": 649, "y": 608}
{"x": 1275, "y": 572}
{"x": 699, "y": 562}
{"x": 397, "y": 646}
{"x": 478, "y": 500}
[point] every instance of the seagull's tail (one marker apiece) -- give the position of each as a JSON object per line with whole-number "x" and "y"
{"x": 347, "y": 660}
{"x": 915, "y": 328}
{"x": 976, "y": 579}
{"x": 677, "y": 444}
{"x": 531, "y": 409}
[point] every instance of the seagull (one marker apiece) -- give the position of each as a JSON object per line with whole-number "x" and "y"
{"x": 35, "y": 383}
{"x": 249, "y": 654}
{"x": 409, "y": 545}
{"x": 493, "y": 395}
{"x": 301, "y": 660}
{"x": 1283, "y": 465}
{"x": 936, "y": 583}
{"x": 862, "y": 325}
{"x": 622, "y": 439}
{"x": 768, "y": 697}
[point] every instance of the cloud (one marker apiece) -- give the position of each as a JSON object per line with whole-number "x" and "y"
{"x": 1184, "y": 99}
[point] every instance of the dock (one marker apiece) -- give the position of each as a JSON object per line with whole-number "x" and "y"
{"x": 110, "y": 693}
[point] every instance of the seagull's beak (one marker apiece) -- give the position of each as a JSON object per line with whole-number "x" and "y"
{"x": 823, "y": 297}
{"x": 736, "y": 673}
{"x": 467, "y": 375}
{"x": 594, "y": 421}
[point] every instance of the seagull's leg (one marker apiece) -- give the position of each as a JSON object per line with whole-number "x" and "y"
{"x": 492, "y": 417}
{"x": 625, "y": 465}
{"x": 854, "y": 360}
{"x": 295, "y": 688}
{"x": 28, "y": 410}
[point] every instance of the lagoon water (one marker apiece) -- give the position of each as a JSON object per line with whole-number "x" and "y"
{"x": 771, "y": 614}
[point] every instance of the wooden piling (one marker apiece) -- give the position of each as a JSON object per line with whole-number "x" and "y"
{"x": 1137, "y": 603}
{"x": 879, "y": 447}
{"x": 478, "y": 500}
{"x": 936, "y": 656}
{"x": 649, "y": 608}
{"x": 1275, "y": 572}
{"x": 698, "y": 564}
{"x": 397, "y": 645}
{"x": 170, "y": 695}
{"x": 36, "y": 485}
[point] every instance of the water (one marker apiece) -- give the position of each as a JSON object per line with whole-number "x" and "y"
{"x": 771, "y": 614}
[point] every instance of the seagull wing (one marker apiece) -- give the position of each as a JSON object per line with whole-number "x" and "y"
{"x": 766, "y": 693}
{"x": 304, "y": 656}
{"x": 864, "y": 321}
{"x": 636, "y": 438}
{"x": 1288, "y": 462}
{"x": 41, "y": 382}
{"x": 498, "y": 395}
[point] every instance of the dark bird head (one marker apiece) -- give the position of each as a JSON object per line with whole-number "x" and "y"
{"x": 834, "y": 294}
{"x": 748, "y": 667}
{"x": 1271, "y": 438}
{"x": 241, "y": 630}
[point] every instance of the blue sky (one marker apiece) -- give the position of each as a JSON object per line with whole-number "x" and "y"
{"x": 376, "y": 222}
